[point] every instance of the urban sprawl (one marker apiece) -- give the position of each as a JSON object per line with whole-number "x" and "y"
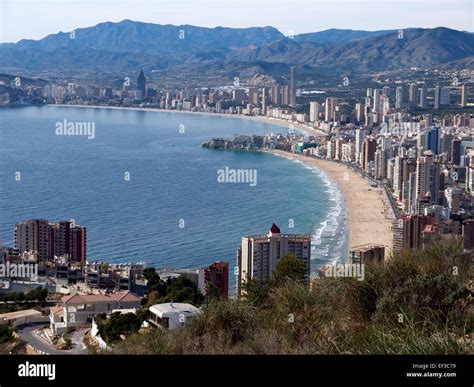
{"x": 412, "y": 139}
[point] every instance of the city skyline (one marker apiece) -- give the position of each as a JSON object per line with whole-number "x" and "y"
{"x": 170, "y": 187}
{"x": 405, "y": 14}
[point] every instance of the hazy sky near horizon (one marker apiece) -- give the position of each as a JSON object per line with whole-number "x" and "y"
{"x": 34, "y": 19}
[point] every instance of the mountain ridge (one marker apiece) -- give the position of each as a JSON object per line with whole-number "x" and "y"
{"x": 129, "y": 45}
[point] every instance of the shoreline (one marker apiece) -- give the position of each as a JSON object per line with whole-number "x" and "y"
{"x": 368, "y": 215}
{"x": 263, "y": 119}
{"x": 368, "y": 220}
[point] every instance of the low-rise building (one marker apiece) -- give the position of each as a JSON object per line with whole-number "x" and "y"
{"x": 369, "y": 253}
{"x": 112, "y": 276}
{"x": 78, "y": 309}
{"x": 172, "y": 315}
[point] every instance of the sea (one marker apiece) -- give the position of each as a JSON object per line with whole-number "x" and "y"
{"x": 148, "y": 192}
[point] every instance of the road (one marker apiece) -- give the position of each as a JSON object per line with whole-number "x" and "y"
{"x": 29, "y": 334}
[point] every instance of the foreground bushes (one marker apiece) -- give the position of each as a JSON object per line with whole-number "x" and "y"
{"x": 416, "y": 303}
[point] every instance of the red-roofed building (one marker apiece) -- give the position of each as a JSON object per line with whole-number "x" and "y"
{"x": 79, "y": 309}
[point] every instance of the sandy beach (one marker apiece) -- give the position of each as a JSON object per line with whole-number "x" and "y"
{"x": 367, "y": 212}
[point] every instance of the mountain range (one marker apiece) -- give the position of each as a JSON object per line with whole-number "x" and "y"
{"x": 129, "y": 45}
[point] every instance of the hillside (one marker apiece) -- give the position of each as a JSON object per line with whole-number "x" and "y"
{"x": 117, "y": 48}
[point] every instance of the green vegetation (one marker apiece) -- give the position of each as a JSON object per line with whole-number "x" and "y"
{"x": 39, "y": 294}
{"x": 118, "y": 324}
{"x": 289, "y": 268}
{"x": 8, "y": 343}
{"x": 419, "y": 302}
{"x": 5, "y": 334}
{"x": 179, "y": 289}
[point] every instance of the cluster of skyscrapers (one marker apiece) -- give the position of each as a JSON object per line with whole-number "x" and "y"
{"x": 51, "y": 240}
{"x": 426, "y": 166}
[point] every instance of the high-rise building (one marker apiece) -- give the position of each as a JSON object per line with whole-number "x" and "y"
{"x": 407, "y": 232}
{"x": 456, "y": 151}
{"x": 437, "y": 97}
{"x": 141, "y": 83}
{"x": 314, "y": 108}
{"x": 423, "y": 97}
{"x": 380, "y": 164}
{"x": 453, "y": 198}
{"x": 217, "y": 276}
{"x": 359, "y": 141}
{"x": 35, "y": 235}
{"x": 445, "y": 96}
{"x": 50, "y": 240}
{"x": 285, "y": 95}
{"x": 376, "y": 106}
{"x": 412, "y": 94}
{"x": 411, "y": 200}
{"x": 398, "y": 176}
{"x": 433, "y": 140}
{"x": 463, "y": 95}
{"x": 425, "y": 175}
{"x": 330, "y": 108}
{"x": 253, "y": 96}
{"x": 264, "y": 101}
{"x": 293, "y": 85}
{"x": 276, "y": 95}
{"x": 259, "y": 255}
{"x": 70, "y": 239}
{"x": 368, "y": 153}
{"x": 368, "y": 116}
{"x": 445, "y": 145}
{"x": 399, "y": 97}
{"x": 422, "y": 174}
{"x": 385, "y": 105}
{"x": 238, "y": 96}
{"x": 359, "y": 113}
{"x": 441, "y": 97}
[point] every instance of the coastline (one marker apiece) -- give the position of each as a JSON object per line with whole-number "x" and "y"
{"x": 264, "y": 119}
{"x": 368, "y": 216}
{"x": 368, "y": 220}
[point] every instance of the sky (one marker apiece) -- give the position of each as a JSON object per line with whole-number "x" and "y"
{"x": 35, "y": 19}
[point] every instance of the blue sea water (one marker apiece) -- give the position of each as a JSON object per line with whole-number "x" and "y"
{"x": 173, "y": 183}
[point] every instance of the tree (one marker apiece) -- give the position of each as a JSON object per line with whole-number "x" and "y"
{"x": 119, "y": 324}
{"x": 182, "y": 289}
{"x": 37, "y": 294}
{"x": 154, "y": 282}
{"x": 290, "y": 268}
{"x": 255, "y": 292}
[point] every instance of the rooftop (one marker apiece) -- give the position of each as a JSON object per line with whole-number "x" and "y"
{"x": 19, "y": 314}
{"x": 84, "y": 299}
{"x": 173, "y": 308}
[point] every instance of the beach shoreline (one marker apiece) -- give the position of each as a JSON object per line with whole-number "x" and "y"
{"x": 267, "y": 120}
{"x": 368, "y": 220}
{"x": 368, "y": 215}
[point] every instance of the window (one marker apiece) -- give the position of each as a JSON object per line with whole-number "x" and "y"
{"x": 90, "y": 307}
